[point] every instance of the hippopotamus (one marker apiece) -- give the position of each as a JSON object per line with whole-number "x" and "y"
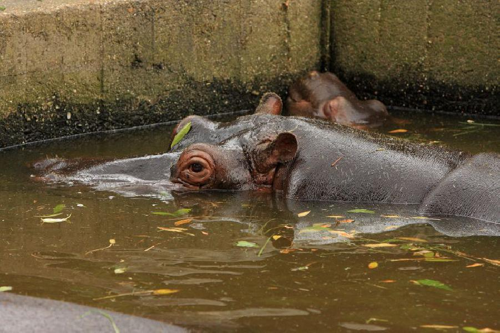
{"x": 307, "y": 159}
{"x": 32, "y": 314}
{"x": 323, "y": 95}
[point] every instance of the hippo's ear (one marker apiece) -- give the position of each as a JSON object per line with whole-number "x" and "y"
{"x": 270, "y": 103}
{"x": 278, "y": 151}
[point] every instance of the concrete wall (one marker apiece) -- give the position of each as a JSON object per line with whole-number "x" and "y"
{"x": 76, "y": 66}
{"x": 72, "y": 66}
{"x": 433, "y": 54}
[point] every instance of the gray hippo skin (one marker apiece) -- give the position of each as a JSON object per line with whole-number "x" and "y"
{"x": 311, "y": 160}
{"x": 23, "y": 314}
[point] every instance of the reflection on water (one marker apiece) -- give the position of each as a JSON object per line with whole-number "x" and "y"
{"x": 290, "y": 273}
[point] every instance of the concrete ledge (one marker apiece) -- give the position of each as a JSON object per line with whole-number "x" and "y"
{"x": 437, "y": 55}
{"x": 75, "y": 66}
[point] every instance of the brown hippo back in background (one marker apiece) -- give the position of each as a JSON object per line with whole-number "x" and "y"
{"x": 323, "y": 95}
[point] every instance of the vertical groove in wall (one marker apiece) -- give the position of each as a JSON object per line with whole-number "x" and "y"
{"x": 326, "y": 42}
{"x": 101, "y": 50}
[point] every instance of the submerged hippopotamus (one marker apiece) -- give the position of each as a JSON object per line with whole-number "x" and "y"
{"x": 306, "y": 159}
{"x": 323, "y": 95}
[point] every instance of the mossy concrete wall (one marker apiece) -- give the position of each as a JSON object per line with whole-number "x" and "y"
{"x": 77, "y": 66}
{"x": 431, "y": 54}
{"x": 73, "y": 66}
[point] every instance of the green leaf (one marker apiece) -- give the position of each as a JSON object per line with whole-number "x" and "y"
{"x": 5, "y": 288}
{"x": 433, "y": 283}
{"x": 59, "y": 208}
{"x": 361, "y": 210}
{"x": 180, "y": 135}
{"x": 392, "y": 240}
{"x": 2, "y": 8}
{"x": 180, "y": 212}
{"x": 470, "y": 329}
{"x": 246, "y": 244}
{"x": 439, "y": 259}
{"x": 106, "y": 315}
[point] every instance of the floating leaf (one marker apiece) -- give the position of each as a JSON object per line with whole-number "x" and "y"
{"x": 432, "y": 283}
{"x": 276, "y": 237}
{"x": 173, "y": 229}
{"x": 342, "y": 233}
{"x": 475, "y": 265}
{"x": 59, "y": 208}
{"x": 336, "y": 216}
{"x": 303, "y": 214}
{"x": 302, "y": 268}
{"x": 346, "y": 221}
{"x": 159, "y": 292}
{"x": 477, "y": 330}
{"x": 400, "y": 130}
{"x": 120, "y": 270}
{"x": 181, "y": 222}
{"x": 361, "y": 210}
{"x": 388, "y": 281}
{"x": 180, "y": 135}
{"x": 439, "y": 259}
{"x": 246, "y": 244}
{"x": 373, "y": 265}
{"x": 412, "y": 239}
{"x": 105, "y": 315}
{"x": 379, "y": 245}
{"x": 316, "y": 227}
{"x": 493, "y": 262}
{"x": 180, "y": 212}
{"x": 390, "y": 216}
{"x": 50, "y": 215}
{"x": 59, "y": 220}
{"x": 439, "y": 327}
{"x": 5, "y": 288}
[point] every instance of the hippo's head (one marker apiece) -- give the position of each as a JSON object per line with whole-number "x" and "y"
{"x": 233, "y": 156}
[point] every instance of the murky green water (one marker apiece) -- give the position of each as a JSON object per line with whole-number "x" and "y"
{"x": 302, "y": 273}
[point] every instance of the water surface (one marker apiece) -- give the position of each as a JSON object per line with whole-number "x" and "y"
{"x": 314, "y": 272}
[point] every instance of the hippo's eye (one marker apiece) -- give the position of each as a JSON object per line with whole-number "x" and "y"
{"x": 196, "y": 167}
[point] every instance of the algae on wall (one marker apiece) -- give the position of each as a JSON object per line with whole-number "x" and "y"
{"x": 94, "y": 66}
{"x": 434, "y": 54}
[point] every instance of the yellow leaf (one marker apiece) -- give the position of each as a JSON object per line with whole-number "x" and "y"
{"x": 336, "y": 216}
{"x": 112, "y": 241}
{"x": 346, "y": 221}
{"x": 424, "y": 218}
{"x": 276, "y": 237}
{"x": 172, "y": 229}
{"x": 388, "y": 281}
{"x": 412, "y": 239}
{"x": 439, "y": 327}
{"x": 391, "y": 227}
{"x": 373, "y": 265}
{"x": 342, "y": 233}
{"x": 379, "y": 245}
{"x": 303, "y": 214}
{"x": 164, "y": 291}
{"x": 390, "y": 216}
{"x": 493, "y": 262}
{"x": 181, "y": 222}
{"x": 475, "y": 265}
{"x": 400, "y": 130}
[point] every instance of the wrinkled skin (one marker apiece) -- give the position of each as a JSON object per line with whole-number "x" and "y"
{"x": 310, "y": 160}
{"x": 323, "y": 95}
